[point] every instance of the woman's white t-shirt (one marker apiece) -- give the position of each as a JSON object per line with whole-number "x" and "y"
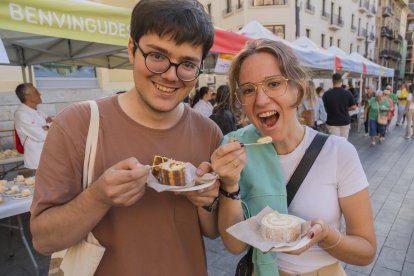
{"x": 336, "y": 173}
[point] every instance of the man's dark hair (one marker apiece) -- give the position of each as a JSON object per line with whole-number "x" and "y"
{"x": 184, "y": 20}
{"x": 22, "y": 89}
{"x": 336, "y": 77}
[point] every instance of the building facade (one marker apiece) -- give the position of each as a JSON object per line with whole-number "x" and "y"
{"x": 349, "y": 25}
{"x": 391, "y": 45}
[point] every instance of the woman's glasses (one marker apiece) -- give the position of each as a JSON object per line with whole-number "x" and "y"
{"x": 273, "y": 87}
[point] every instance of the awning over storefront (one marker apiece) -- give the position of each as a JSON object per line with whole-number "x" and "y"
{"x": 76, "y": 32}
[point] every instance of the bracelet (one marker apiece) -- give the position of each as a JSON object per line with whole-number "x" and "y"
{"x": 234, "y": 195}
{"x": 335, "y": 244}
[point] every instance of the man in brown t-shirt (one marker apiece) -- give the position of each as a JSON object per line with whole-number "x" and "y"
{"x": 144, "y": 232}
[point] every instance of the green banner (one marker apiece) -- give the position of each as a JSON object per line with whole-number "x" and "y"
{"x": 70, "y": 19}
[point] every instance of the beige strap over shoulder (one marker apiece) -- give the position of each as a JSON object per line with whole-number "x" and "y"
{"x": 91, "y": 144}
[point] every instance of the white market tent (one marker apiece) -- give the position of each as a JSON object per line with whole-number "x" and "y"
{"x": 316, "y": 61}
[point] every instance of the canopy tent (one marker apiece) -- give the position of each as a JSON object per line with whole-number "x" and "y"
{"x": 76, "y": 32}
{"x": 310, "y": 58}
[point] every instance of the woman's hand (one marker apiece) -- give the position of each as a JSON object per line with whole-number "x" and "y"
{"x": 228, "y": 161}
{"x": 318, "y": 232}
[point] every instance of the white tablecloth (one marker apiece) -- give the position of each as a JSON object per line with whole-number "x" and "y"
{"x": 12, "y": 207}
{"x": 11, "y": 160}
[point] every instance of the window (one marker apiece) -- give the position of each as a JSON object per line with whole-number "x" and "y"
{"x": 308, "y": 33}
{"x": 228, "y": 6}
{"x": 322, "y": 40}
{"x": 278, "y": 30}
{"x": 350, "y": 48}
{"x": 323, "y": 7}
{"x": 358, "y": 49}
{"x": 352, "y": 20}
{"x": 338, "y": 43}
{"x": 330, "y": 41}
{"x": 209, "y": 8}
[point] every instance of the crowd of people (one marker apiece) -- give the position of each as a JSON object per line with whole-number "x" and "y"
{"x": 269, "y": 94}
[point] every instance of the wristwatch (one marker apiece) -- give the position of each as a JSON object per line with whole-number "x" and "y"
{"x": 213, "y": 206}
{"x": 234, "y": 195}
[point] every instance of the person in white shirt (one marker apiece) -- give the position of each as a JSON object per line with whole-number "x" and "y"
{"x": 31, "y": 124}
{"x": 203, "y": 104}
{"x": 267, "y": 81}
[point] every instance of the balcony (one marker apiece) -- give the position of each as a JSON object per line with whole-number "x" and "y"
{"x": 387, "y": 12}
{"x": 395, "y": 55}
{"x": 353, "y": 28}
{"x": 259, "y": 3}
{"x": 227, "y": 11}
{"x": 371, "y": 36}
{"x": 362, "y": 33}
{"x": 386, "y": 32}
{"x": 410, "y": 42}
{"x": 385, "y": 54}
{"x": 336, "y": 22}
{"x": 309, "y": 8}
{"x": 239, "y": 6}
{"x": 363, "y": 6}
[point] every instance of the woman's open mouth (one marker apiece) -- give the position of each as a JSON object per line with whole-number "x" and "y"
{"x": 269, "y": 118}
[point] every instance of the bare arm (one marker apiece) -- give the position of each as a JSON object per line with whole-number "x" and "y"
{"x": 358, "y": 245}
{"x": 228, "y": 161}
{"x": 121, "y": 185}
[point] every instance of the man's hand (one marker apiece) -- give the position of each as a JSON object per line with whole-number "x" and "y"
{"x": 123, "y": 184}
{"x": 49, "y": 120}
{"x": 206, "y": 196}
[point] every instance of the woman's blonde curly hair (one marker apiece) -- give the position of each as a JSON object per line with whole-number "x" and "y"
{"x": 289, "y": 66}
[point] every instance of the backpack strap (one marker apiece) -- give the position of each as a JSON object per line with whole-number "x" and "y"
{"x": 305, "y": 165}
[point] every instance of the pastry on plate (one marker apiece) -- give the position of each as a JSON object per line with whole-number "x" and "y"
{"x": 29, "y": 181}
{"x": 3, "y": 182}
{"x": 19, "y": 178}
{"x": 26, "y": 192}
{"x": 280, "y": 227}
{"x": 169, "y": 171}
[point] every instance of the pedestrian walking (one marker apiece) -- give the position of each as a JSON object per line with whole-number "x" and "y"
{"x": 365, "y": 99}
{"x": 377, "y": 116}
{"x": 409, "y": 111}
{"x": 338, "y": 102}
{"x": 402, "y": 94}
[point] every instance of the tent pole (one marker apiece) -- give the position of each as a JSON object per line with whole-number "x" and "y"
{"x": 30, "y": 73}
{"x": 24, "y": 73}
{"x": 359, "y": 105}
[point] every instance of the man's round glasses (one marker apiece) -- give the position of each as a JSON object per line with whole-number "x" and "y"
{"x": 158, "y": 63}
{"x": 273, "y": 87}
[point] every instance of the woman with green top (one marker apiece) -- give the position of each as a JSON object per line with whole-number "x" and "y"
{"x": 378, "y": 106}
{"x": 268, "y": 83}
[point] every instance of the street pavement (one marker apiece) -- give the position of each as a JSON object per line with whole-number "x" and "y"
{"x": 390, "y": 171}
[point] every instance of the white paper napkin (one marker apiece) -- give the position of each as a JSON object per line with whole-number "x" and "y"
{"x": 248, "y": 231}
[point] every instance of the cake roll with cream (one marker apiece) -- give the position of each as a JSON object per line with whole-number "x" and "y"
{"x": 280, "y": 227}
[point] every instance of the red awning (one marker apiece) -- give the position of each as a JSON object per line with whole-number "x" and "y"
{"x": 228, "y": 42}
